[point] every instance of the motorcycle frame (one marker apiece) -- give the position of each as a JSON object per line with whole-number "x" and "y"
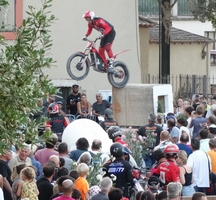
{"x": 91, "y": 48}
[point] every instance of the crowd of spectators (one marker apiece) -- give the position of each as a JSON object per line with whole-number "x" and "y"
{"x": 182, "y": 159}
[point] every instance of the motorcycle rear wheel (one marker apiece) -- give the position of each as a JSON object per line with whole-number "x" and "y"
{"x": 77, "y": 69}
{"x": 120, "y": 76}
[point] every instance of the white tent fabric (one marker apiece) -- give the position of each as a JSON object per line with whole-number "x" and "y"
{"x": 88, "y": 129}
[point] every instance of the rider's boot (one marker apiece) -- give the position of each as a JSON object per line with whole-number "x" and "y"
{"x": 111, "y": 67}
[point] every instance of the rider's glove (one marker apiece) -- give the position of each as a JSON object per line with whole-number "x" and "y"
{"x": 84, "y": 38}
{"x": 101, "y": 36}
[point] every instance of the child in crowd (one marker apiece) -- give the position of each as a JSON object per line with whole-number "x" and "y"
{"x": 15, "y": 177}
{"x": 76, "y": 194}
{"x": 28, "y": 188}
{"x": 138, "y": 194}
{"x": 81, "y": 183}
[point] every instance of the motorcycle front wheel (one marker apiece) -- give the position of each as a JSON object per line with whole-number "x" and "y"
{"x": 120, "y": 76}
{"x": 77, "y": 67}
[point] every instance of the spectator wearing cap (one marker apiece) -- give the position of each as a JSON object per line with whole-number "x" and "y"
{"x": 153, "y": 184}
{"x": 72, "y": 99}
{"x": 152, "y": 127}
{"x": 60, "y": 104}
{"x": 174, "y": 191}
{"x": 174, "y": 131}
{"x": 108, "y": 119}
{"x": 170, "y": 116}
{"x": 57, "y": 122}
{"x": 50, "y": 99}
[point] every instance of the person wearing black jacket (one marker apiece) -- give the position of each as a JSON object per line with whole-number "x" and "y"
{"x": 119, "y": 170}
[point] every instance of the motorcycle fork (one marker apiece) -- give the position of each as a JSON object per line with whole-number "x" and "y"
{"x": 83, "y": 60}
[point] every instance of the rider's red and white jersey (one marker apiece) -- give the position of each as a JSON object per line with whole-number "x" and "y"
{"x": 119, "y": 140}
{"x": 99, "y": 24}
{"x": 168, "y": 172}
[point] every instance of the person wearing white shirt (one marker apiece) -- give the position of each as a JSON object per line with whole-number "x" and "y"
{"x": 188, "y": 111}
{"x": 1, "y": 194}
{"x": 199, "y": 162}
{"x": 182, "y": 124}
{"x": 204, "y": 140}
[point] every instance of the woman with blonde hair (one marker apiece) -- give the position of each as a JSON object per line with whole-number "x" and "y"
{"x": 84, "y": 107}
{"x": 160, "y": 121}
{"x": 186, "y": 174}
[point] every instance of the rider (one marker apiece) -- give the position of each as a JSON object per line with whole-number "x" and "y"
{"x": 120, "y": 168}
{"x": 107, "y": 37}
{"x": 168, "y": 171}
{"x": 115, "y": 133}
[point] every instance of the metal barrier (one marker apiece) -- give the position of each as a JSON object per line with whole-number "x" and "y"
{"x": 75, "y": 117}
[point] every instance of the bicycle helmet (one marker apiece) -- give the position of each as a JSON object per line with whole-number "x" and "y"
{"x": 89, "y": 14}
{"x": 171, "y": 149}
{"x": 53, "y": 108}
{"x": 114, "y": 131}
{"x": 117, "y": 150}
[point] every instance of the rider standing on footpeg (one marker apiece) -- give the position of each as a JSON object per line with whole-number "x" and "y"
{"x": 107, "y": 37}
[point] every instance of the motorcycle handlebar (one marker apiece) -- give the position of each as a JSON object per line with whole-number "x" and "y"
{"x": 97, "y": 38}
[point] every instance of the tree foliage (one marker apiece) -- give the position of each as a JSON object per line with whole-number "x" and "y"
{"x": 20, "y": 66}
{"x": 204, "y": 10}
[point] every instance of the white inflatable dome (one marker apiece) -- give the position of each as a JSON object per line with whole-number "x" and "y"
{"x": 88, "y": 129}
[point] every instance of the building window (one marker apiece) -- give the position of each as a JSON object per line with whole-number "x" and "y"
{"x": 184, "y": 8}
{"x": 212, "y": 47}
{"x": 148, "y": 7}
{"x": 11, "y": 17}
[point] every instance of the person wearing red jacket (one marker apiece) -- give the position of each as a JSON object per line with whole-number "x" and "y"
{"x": 168, "y": 171}
{"x": 107, "y": 37}
{"x": 57, "y": 122}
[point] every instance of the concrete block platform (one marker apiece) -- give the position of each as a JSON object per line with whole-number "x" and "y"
{"x": 133, "y": 103}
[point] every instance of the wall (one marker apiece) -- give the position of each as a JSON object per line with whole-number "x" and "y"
{"x": 193, "y": 26}
{"x": 133, "y": 103}
{"x": 184, "y": 59}
{"x": 68, "y": 30}
{"x": 144, "y": 49}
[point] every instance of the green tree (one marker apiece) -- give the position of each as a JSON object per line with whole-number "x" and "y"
{"x": 20, "y": 84}
{"x": 204, "y": 10}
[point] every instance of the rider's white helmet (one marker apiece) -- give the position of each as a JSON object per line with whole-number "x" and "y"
{"x": 89, "y": 14}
